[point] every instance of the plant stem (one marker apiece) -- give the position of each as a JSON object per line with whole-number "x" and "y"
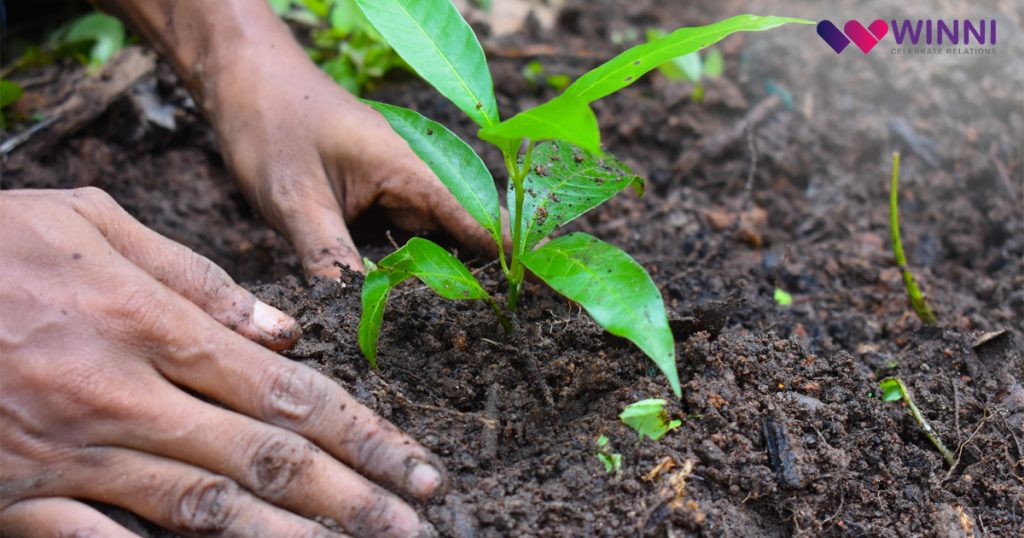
{"x": 917, "y": 300}
{"x": 927, "y": 428}
{"x": 517, "y": 175}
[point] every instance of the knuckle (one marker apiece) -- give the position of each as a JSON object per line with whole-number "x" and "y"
{"x": 205, "y": 506}
{"x": 93, "y": 195}
{"x": 368, "y": 442}
{"x": 134, "y": 308}
{"x": 373, "y": 514}
{"x": 296, "y": 397}
{"x": 279, "y": 463}
{"x": 205, "y": 276}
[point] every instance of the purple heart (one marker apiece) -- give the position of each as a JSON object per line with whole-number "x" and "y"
{"x": 833, "y": 36}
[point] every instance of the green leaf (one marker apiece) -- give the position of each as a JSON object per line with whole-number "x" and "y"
{"x": 648, "y": 417}
{"x": 376, "y": 287}
{"x": 419, "y": 258}
{"x": 614, "y": 289}
{"x": 892, "y": 389}
{"x": 565, "y": 182}
{"x": 10, "y": 92}
{"x": 346, "y": 17}
{"x": 714, "y": 64}
{"x": 627, "y": 67}
{"x": 452, "y": 161}
{"x": 439, "y": 45}
{"x": 562, "y": 118}
{"x": 106, "y": 34}
{"x": 343, "y": 72}
{"x": 783, "y": 297}
{"x": 687, "y": 67}
{"x": 436, "y": 267}
{"x": 612, "y": 461}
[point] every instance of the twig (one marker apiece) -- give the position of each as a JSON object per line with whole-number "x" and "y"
{"x": 956, "y": 410}
{"x": 712, "y": 147}
{"x": 748, "y": 188}
{"x": 489, "y": 433}
{"x": 960, "y": 449}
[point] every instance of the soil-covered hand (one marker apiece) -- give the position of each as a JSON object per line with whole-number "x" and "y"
{"x": 123, "y": 383}
{"x": 312, "y": 158}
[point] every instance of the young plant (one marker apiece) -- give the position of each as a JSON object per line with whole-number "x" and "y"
{"x": 893, "y": 389}
{"x": 917, "y": 300}
{"x": 343, "y": 43}
{"x": 612, "y": 460}
{"x": 557, "y": 171}
{"x": 648, "y": 417}
{"x": 692, "y": 67}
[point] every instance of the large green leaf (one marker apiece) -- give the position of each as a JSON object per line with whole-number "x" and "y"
{"x": 439, "y": 45}
{"x": 562, "y": 118}
{"x": 616, "y": 291}
{"x": 452, "y": 161}
{"x": 419, "y": 258}
{"x": 565, "y": 182}
{"x": 627, "y": 67}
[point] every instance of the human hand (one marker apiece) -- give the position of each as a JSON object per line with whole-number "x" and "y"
{"x": 123, "y": 384}
{"x": 312, "y": 158}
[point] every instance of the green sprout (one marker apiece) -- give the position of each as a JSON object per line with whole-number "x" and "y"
{"x": 535, "y": 74}
{"x": 690, "y": 67}
{"x": 893, "y": 389}
{"x": 783, "y": 297}
{"x": 556, "y": 167}
{"x": 612, "y": 460}
{"x": 917, "y": 300}
{"x": 649, "y": 417}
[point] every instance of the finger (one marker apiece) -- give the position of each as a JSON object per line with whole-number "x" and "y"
{"x": 297, "y": 398}
{"x": 181, "y": 497}
{"x": 193, "y": 351}
{"x": 276, "y": 465}
{"x": 193, "y": 276}
{"x": 57, "y": 517}
{"x": 309, "y": 214}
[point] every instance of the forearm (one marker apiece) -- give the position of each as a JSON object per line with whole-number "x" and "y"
{"x": 202, "y": 37}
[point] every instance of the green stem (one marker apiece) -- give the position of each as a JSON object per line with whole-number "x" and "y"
{"x": 917, "y": 300}
{"x": 927, "y": 428}
{"x": 517, "y": 175}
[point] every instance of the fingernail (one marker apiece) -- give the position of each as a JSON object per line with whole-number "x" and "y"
{"x": 271, "y": 321}
{"x": 424, "y": 479}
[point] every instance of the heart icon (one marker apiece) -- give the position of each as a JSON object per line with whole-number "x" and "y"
{"x": 866, "y": 38}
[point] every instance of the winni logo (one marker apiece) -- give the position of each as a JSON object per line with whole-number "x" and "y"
{"x": 922, "y": 31}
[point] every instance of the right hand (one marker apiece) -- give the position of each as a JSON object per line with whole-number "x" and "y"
{"x": 122, "y": 383}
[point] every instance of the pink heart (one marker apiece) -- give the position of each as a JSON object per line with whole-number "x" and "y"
{"x": 862, "y": 37}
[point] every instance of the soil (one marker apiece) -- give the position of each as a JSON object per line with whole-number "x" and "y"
{"x": 784, "y": 432}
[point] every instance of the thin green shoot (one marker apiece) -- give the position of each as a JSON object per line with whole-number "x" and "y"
{"x": 917, "y": 300}
{"x": 893, "y": 389}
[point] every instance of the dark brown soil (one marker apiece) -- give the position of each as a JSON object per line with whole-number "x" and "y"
{"x": 782, "y": 422}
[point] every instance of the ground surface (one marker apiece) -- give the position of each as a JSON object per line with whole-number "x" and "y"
{"x": 782, "y": 419}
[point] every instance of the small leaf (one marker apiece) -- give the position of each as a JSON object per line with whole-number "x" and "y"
{"x": 419, "y": 258}
{"x": 376, "y": 287}
{"x": 892, "y": 389}
{"x": 562, "y": 118}
{"x": 106, "y": 34}
{"x": 279, "y": 6}
{"x": 439, "y": 45}
{"x": 10, "y": 92}
{"x": 614, "y": 289}
{"x": 343, "y": 72}
{"x": 783, "y": 297}
{"x": 627, "y": 67}
{"x": 649, "y": 417}
{"x": 714, "y": 64}
{"x": 565, "y": 182}
{"x": 452, "y": 161}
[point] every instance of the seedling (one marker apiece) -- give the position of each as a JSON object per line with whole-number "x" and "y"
{"x": 783, "y": 297}
{"x": 648, "y": 417}
{"x": 535, "y": 74}
{"x": 917, "y": 300}
{"x": 690, "y": 67}
{"x": 893, "y": 389}
{"x": 557, "y": 171}
{"x": 612, "y": 460}
{"x": 343, "y": 43}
